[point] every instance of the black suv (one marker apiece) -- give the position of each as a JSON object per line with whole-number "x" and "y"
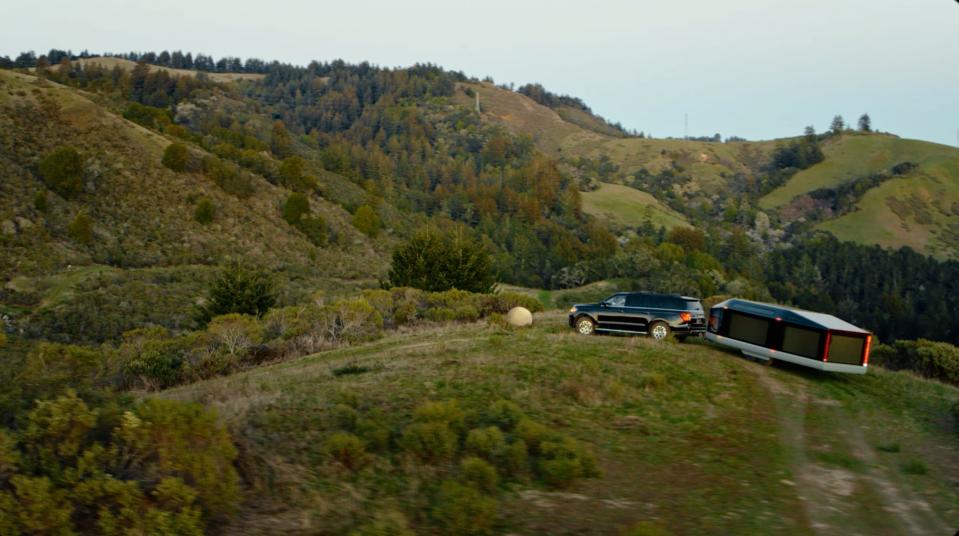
{"x": 657, "y": 315}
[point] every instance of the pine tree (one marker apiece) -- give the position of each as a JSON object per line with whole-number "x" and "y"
{"x": 865, "y": 123}
{"x": 838, "y": 125}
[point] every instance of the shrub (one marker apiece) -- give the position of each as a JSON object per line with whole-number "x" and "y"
{"x": 429, "y": 441}
{"x": 238, "y": 289}
{"x": 479, "y": 474}
{"x": 40, "y": 201}
{"x": 296, "y": 207}
{"x": 50, "y": 368}
{"x": 293, "y": 175}
{"x": 532, "y": 433}
{"x": 646, "y": 528}
{"x": 447, "y": 412}
{"x": 487, "y": 443}
{"x": 502, "y": 302}
{"x": 937, "y": 360}
{"x": 564, "y": 461}
{"x": 176, "y": 157}
{"x": 9, "y": 457}
{"x": 366, "y": 221}
{"x": 81, "y": 229}
{"x": 347, "y": 450}
{"x": 296, "y": 212}
{"x": 155, "y": 367}
{"x": 229, "y": 177}
{"x": 504, "y": 414}
{"x": 915, "y": 467}
{"x": 350, "y": 320}
{"x": 235, "y": 333}
{"x": 147, "y": 116}
{"x": 385, "y": 524}
{"x": 62, "y": 172}
{"x": 463, "y": 510}
{"x": 170, "y": 438}
{"x": 205, "y": 211}
{"x": 517, "y": 458}
{"x": 437, "y": 261}
{"x": 57, "y": 431}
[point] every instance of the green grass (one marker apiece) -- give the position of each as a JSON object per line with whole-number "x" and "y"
{"x": 684, "y": 434}
{"x": 854, "y": 156}
{"x": 628, "y": 206}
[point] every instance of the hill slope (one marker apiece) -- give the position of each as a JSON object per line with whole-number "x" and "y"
{"x": 142, "y": 213}
{"x": 915, "y": 211}
{"x": 687, "y": 437}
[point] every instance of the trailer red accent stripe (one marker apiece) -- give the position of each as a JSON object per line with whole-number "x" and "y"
{"x": 825, "y": 354}
{"x": 865, "y": 359}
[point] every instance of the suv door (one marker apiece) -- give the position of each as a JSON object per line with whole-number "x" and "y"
{"x": 637, "y": 311}
{"x": 611, "y": 315}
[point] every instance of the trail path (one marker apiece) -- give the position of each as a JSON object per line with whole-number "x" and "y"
{"x": 835, "y": 499}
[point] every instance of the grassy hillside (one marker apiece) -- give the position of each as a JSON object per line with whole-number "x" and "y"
{"x": 142, "y": 215}
{"x": 628, "y": 206}
{"x": 853, "y": 156}
{"x": 915, "y": 211}
{"x": 688, "y": 438}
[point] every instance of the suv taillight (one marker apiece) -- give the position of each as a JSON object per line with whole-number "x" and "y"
{"x": 685, "y": 317}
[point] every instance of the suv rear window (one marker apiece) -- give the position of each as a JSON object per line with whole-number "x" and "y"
{"x": 694, "y": 305}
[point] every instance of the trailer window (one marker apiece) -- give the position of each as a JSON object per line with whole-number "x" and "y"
{"x": 799, "y": 341}
{"x": 749, "y": 329}
{"x": 846, "y": 349}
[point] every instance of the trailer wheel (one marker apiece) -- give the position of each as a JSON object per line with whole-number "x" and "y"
{"x": 659, "y": 330}
{"x": 585, "y": 326}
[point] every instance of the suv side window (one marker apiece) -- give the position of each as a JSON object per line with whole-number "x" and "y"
{"x": 618, "y": 300}
{"x": 637, "y": 300}
{"x": 657, "y": 302}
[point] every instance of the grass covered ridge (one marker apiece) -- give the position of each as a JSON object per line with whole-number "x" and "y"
{"x": 685, "y": 438}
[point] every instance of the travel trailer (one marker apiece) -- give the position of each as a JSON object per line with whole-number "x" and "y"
{"x": 765, "y": 331}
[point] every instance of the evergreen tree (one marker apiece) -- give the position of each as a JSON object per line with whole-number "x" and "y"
{"x": 238, "y": 289}
{"x": 436, "y": 261}
{"x": 838, "y": 125}
{"x": 865, "y": 123}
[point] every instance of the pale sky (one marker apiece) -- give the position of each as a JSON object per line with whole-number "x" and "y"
{"x": 752, "y": 68}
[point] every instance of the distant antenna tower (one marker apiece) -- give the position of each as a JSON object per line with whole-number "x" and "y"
{"x": 477, "y": 103}
{"x": 685, "y": 126}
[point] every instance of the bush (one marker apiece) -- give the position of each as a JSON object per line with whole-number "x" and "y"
{"x": 205, "y": 211}
{"x": 487, "y": 443}
{"x": 62, "y": 172}
{"x": 235, "y": 333}
{"x": 40, "y": 201}
{"x": 50, "y": 368}
{"x": 447, "y": 412}
{"x": 479, "y": 474}
{"x": 463, "y": 510}
{"x": 429, "y": 441}
{"x": 293, "y": 174}
{"x": 937, "y": 360}
{"x": 296, "y": 212}
{"x": 366, "y": 221}
{"x": 564, "y": 461}
{"x": 386, "y": 524}
{"x": 646, "y": 528}
{"x": 347, "y": 450}
{"x": 504, "y": 414}
{"x": 532, "y": 433}
{"x": 437, "y": 261}
{"x": 176, "y": 157}
{"x": 229, "y": 177}
{"x": 238, "y": 289}
{"x": 81, "y": 229}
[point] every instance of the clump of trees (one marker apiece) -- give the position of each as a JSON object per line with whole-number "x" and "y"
{"x": 296, "y": 212}
{"x": 438, "y": 260}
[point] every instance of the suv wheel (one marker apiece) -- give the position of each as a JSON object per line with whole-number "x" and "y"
{"x": 659, "y": 330}
{"x": 585, "y": 326}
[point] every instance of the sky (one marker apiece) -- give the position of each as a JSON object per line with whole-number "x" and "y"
{"x": 757, "y": 69}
